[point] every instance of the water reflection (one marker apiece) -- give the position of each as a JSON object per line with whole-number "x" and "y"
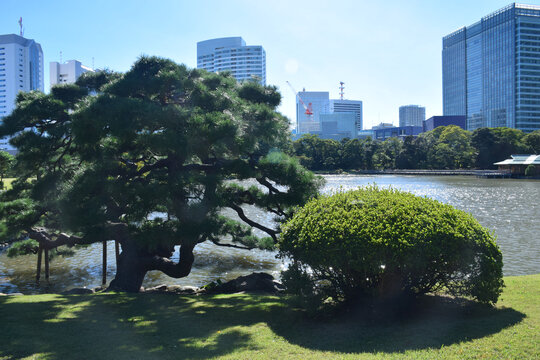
{"x": 508, "y": 207}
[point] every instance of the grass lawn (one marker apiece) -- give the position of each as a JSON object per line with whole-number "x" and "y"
{"x": 7, "y": 182}
{"x": 242, "y": 326}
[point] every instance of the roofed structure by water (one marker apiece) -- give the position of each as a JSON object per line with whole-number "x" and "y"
{"x": 520, "y": 160}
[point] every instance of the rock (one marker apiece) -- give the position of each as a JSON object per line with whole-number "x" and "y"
{"x": 174, "y": 289}
{"x": 15, "y": 294}
{"x": 183, "y": 290}
{"x": 253, "y": 282}
{"x": 78, "y": 291}
{"x": 157, "y": 289}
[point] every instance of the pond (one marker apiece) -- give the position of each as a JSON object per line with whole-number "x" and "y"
{"x": 509, "y": 207}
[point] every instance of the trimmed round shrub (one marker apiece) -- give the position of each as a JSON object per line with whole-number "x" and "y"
{"x": 384, "y": 242}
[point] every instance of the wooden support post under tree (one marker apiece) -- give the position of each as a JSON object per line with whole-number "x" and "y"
{"x": 38, "y": 270}
{"x": 117, "y": 250}
{"x": 104, "y": 279}
{"x": 46, "y": 254}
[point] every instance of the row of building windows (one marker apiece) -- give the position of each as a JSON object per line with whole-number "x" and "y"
{"x": 528, "y": 96}
{"x": 528, "y": 61}
{"x": 527, "y": 31}
{"x": 527, "y": 78}
{"x": 527, "y": 108}
{"x": 529, "y": 25}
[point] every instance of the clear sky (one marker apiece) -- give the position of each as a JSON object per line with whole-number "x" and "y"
{"x": 388, "y": 53}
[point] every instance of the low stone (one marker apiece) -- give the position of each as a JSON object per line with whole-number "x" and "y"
{"x": 159, "y": 288}
{"x": 78, "y": 291}
{"x": 15, "y": 294}
{"x": 184, "y": 290}
{"x": 254, "y": 282}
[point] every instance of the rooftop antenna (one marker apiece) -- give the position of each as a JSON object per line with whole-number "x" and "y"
{"x": 21, "y": 32}
{"x": 60, "y": 57}
{"x": 341, "y": 88}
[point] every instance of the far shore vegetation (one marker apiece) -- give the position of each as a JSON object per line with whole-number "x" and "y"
{"x": 249, "y": 326}
{"x": 444, "y": 148}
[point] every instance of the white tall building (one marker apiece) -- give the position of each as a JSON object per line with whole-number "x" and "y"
{"x": 66, "y": 73}
{"x": 232, "y": 54}
{"x": 411, "y": 115}
{"x": 354, "y": 106}
{"x": 21, "y": 69}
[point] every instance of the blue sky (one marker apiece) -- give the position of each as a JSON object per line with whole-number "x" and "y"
{"x": 388, "y": 53}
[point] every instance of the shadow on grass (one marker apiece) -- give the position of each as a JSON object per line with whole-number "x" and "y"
{"x": 434, "y": 321}
{"x": 122, "y": 326}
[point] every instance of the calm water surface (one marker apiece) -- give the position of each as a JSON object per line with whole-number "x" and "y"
{"x": 511, "y": 208}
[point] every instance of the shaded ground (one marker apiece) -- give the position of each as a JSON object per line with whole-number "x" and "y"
{"x": 147, "y": 326}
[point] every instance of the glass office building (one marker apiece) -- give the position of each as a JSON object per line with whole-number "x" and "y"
{"x": 346, "y": 106}
{"x": 491, "y": 70}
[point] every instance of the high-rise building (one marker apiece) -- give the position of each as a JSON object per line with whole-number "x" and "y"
{"x": 411, "y": 115}
{"x": 354, "y": 106}
{"x": 491, "y": 70}
{"x": 21, "y": 69}
{"x": 66, "y": 73}
{"x": 319, "y": 103}
{"x": 232, "y": 54}
{"x": 338, "y": 125}
{"x": 446, "y": 120}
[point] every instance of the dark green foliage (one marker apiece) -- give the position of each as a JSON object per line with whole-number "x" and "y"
{"x": 532, "y": 142}
{"x": 378, "y": 242}
{"x": 29, "y": 246}
{"x": 23, "y": 247}
{"x": 497, "y": 144}
{"x": 6, "y": 162}
{"x": 530, "y": 170}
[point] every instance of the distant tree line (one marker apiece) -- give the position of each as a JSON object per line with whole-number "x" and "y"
{"x": 446, "y": 147}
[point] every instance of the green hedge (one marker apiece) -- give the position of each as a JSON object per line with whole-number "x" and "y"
{"x": 385, "y": 242}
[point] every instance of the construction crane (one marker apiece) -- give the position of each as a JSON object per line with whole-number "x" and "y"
{"x": 308, "y": 108}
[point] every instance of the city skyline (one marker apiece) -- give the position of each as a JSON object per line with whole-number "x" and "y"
{"x": 387, "y": 54}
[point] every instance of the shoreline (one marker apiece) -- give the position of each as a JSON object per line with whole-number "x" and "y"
{"x": 477, "y": 173}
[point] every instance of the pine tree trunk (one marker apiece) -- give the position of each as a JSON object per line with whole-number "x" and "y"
{"x": 133, "y": 264}
{"x": 130, "y": 270}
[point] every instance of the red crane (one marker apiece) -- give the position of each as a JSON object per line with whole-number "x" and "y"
{"x": 308, "y": 108}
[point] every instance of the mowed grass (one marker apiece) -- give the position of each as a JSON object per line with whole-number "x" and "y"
{"x": 246, "y": 326}
{"x": 7, "y": 182}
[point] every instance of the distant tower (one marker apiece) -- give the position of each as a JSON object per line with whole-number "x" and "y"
{"x": 21, "y": 69}
{"x": 66, "y": 73}
{"x": 411, "y": 115}
{"x": 341, "y": 88}
{"x": 20, "y": 27}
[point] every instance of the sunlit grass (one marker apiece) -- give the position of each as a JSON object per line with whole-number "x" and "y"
{"x": 7, "y": 182}
{"x": 244, "y": 326}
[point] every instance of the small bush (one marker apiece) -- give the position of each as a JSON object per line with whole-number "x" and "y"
{"x": 530, "y": 170}
{"x": 383, "y": 242}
